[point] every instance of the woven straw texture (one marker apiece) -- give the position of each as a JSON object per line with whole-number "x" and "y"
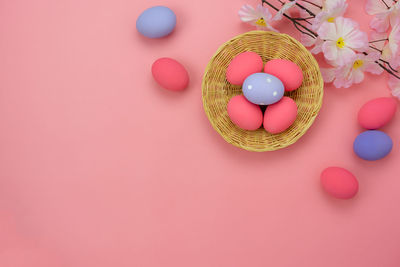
{"x": 217, "y": 91}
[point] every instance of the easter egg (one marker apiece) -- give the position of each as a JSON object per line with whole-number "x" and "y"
{"x": 170, "y": 74}
{"x": 156, "y": 22}
{"x": 244, "y": 114}
{"x": 263, "y": 89}
{"x": 372, "y": 145}
{"x": 288, "y": 72}
{"x": 242, "y": 66}
{"x": 279, "y": 116}
{"x": 339, "y": 182}
{"x": 377, "y": 112}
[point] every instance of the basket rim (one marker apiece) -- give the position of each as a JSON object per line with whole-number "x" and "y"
{"x": 266, "y": 148}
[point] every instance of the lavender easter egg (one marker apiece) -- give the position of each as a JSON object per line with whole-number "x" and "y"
{"x": 244, "y": 114}
{"x": 156, "y": 22}
{"x": 339, "y": 182}
{"x": 372, "y": 145}
{"x": 279, "y": 116}
{"x": 377, "y": 112}
{"x": 242, "y": 66}
{"x": 263, "y": 89}
{"x": 287, "y": 71}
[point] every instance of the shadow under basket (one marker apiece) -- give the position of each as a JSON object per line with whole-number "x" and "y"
{"x": 217, "y": 91}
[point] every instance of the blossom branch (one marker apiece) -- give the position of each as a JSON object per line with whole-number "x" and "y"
{"x": 311, "y": 3}
{"x": 298, "y": 25}
{"x": 306, "y": 9}
{"x": 390, "y": 66}
{"x": 381, "y": 40}
{"x": 385, "y": 65}
{"x": 387, "y": 6}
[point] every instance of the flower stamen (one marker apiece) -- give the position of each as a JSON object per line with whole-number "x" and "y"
{"x": 331, "y": 20}
{"x": 340, "y": 43}
{"x": 358, "y": 64}
{"x": 261, "y": 22}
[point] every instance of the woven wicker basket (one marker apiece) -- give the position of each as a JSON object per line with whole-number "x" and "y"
{"x": 217, "y": 91}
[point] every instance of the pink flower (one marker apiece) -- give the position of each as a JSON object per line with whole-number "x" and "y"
{"x": 394, "y": 85}
{"x": 341, "y": 40}
{"x": 260, "y": 17}
{"x": 309, "y": 41}
{"x": 391, "y": 47}
{"x": 352, "y": 73}
{"x": 331, "y": 10}
{"x": 383, "y": 15}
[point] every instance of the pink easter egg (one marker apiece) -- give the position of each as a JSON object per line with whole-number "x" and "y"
{"x": 288, "y": 72}
{"x": 244, "y": 114}
{"x": 280, "y": 116}
{"x": 170, "y": 74}
{"x": 339, "y": 182}
{"x": 377, "y": 113}
{"x": 242, "y": 66}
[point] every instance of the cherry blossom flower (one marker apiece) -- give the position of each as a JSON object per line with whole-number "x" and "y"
{"x": 341, "y": 40}
{"x": 259, "y": 17}
{"x": 309, "y": 41}
{"x": 317, "y": 46}
{"x": 385, "y": 15}
{"x": 331, "y": 10}
{"x": 284, "y": 8}
{"x": 352, "y": 73}
{"x": 389, "y": 45}
{"x": 394, "y": 85}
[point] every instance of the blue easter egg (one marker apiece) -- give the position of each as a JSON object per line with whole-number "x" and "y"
{"x": 156, "y": 22}
{"x": 372, "y": 145}
{"x": 263, "y": 89}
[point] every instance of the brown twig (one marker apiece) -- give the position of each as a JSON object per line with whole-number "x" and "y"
{"x": 306, "y": 9}
{"x": 374, "y": 48}
{"x": 381, "y": 40}
{"x": 387, "y": 63}
{"x": 387, "y": 6}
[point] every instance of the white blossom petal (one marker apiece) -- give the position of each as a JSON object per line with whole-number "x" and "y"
{"x": 330, "y": 50}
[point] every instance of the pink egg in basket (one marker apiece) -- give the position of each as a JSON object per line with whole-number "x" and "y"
{"x": 280, "y": 116}
{"x": 288, "y": 72}
{"x": 244, "y": 114}
{"x": 242, "y": 66}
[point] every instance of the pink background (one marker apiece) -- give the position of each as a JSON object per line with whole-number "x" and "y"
{"x": 101, "y": 167}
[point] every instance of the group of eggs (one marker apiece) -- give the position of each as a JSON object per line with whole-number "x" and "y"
{"x": 265, "y": 88}
{"x": 370, "y": 145}
{"x": 158, "y": 22}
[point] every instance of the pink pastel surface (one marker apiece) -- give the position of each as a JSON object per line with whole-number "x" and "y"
{"x": 101, "y": 167}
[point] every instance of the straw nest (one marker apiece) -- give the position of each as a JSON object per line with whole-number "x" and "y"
{"x": 217, "y": 91}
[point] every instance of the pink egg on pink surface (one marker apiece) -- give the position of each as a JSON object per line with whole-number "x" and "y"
{"x": 280, "y": 116}
{"x": 170, "y": 74}
{"x": 244, "y": 114}
{"x": 287, "y": 71}
{"x": 242, "y": 66}
{"x": 377, "y": 112}
{"x": 339, "y": 182}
